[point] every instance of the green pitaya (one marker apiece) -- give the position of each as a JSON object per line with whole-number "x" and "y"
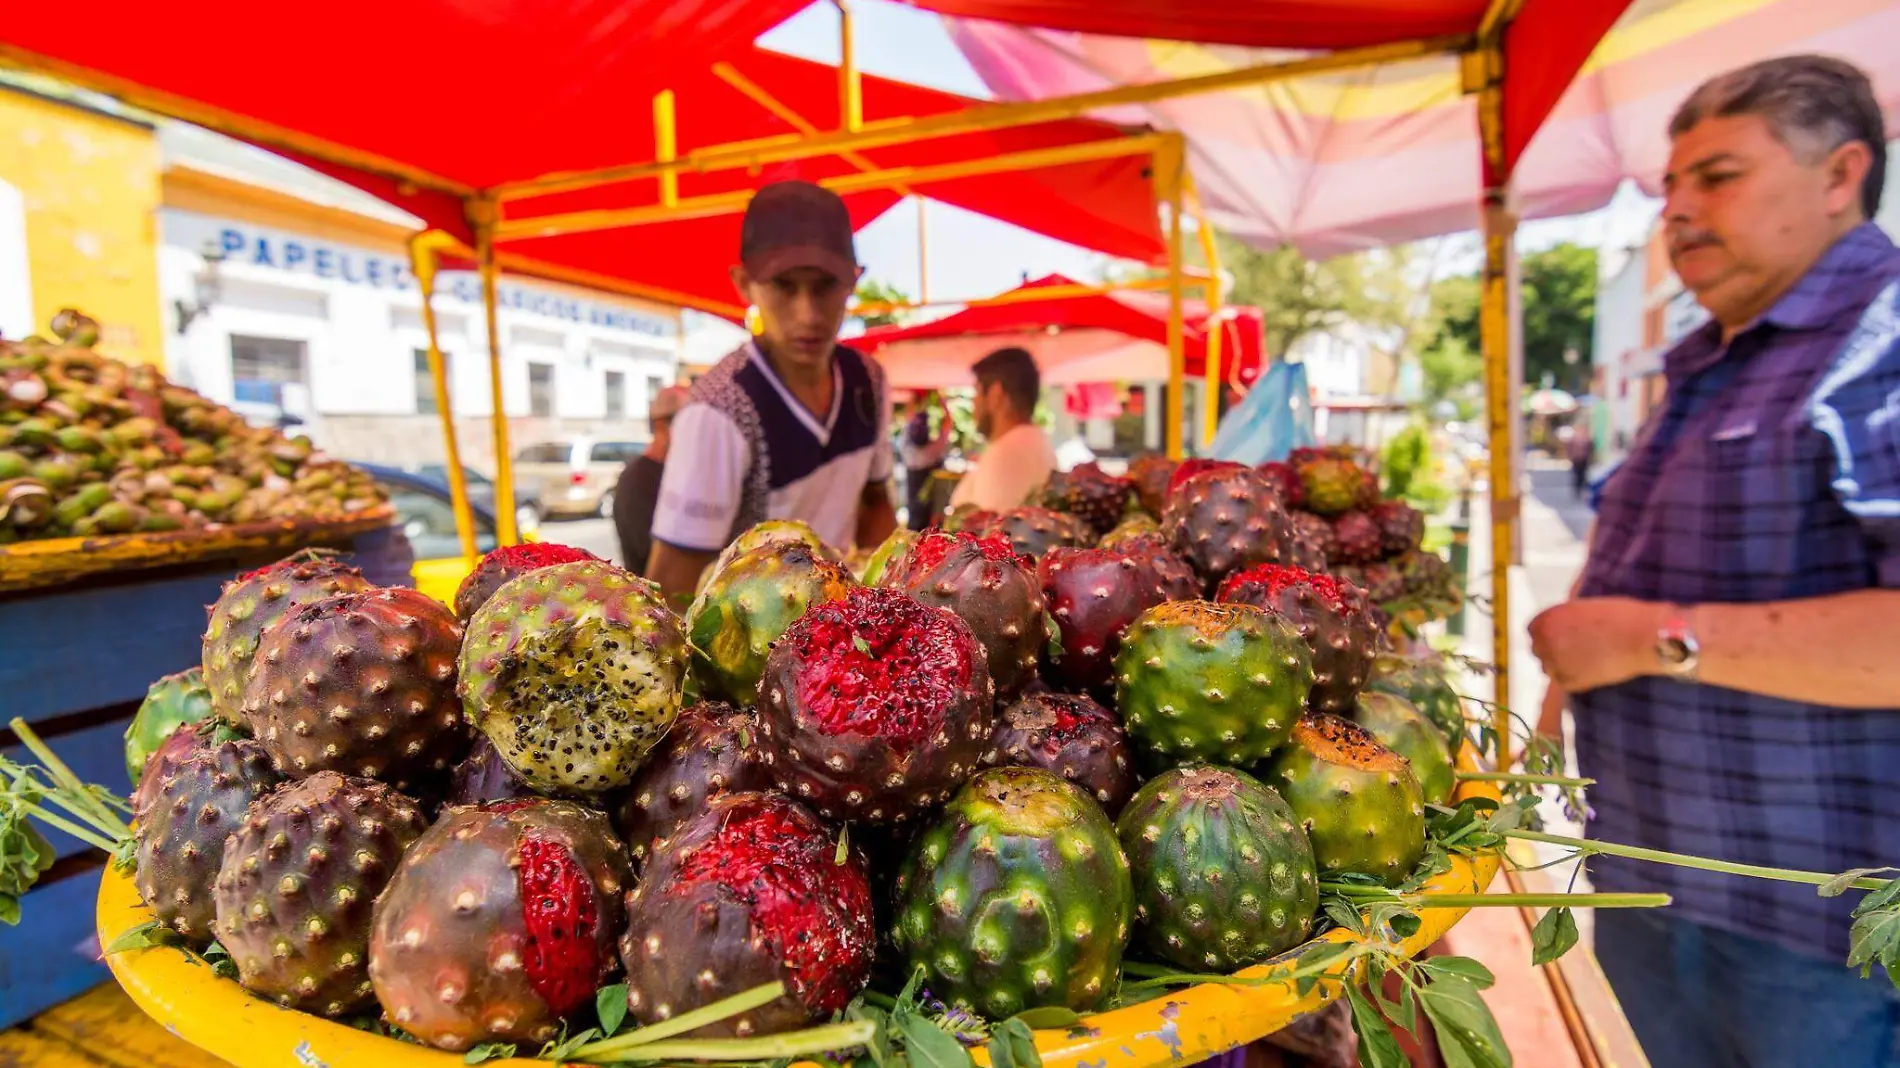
{"x": 1332, "y": 616}
{"x": 1424, "y": 686}
{"x": 891, "y": 551}
{"x": 1018, "y": 898}
{"x": 494, "y": 570}
{"x": 194, "y": 794}
{"x": 170, "y": 703}
{"x": 1034, "y": 531}
{"x": 1333, "y": 484}
{"x": 299, "y": 878}
{"x": 360, "y": 684}
{"x": 1361, "y": 805}
{"x": 1072, "y": 736}
{"x": 989, "y": 587}
{"x": 253, "y": 601}
{"x": 747, "y": 605}
{"x": 754, "y": 889}
{"x": 1215, "y": 682}
{"x": 499, "y": 921}
{"x": 771, "y": 530}
{"x": 1223, "y": 876}
{"x": 1150, "y": 474}
{"x": 1134, "y": 526}
{"x": 876, "y": 707}
{"x": 709, "y": 752}
{"x": 574, "y": 672}
{"x": 1228, "y": 519}
{"x": 1400, "y": 728}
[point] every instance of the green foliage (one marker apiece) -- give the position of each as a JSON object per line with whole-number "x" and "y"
{"x": 1297, "y": 296}
{"x": 871, "y": 289}
{"x": 1410, "y": 469}
{"x": 1559, "y": 287}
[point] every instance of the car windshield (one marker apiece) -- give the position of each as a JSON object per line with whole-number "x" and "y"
{"x": 440, "y": 473}
{"x": 615, "y": 452}
{"x": 549, "y": 453}
{"x": 429, "y": 522}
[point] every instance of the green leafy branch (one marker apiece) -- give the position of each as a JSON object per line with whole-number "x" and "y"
{"x": 50, "y": 793}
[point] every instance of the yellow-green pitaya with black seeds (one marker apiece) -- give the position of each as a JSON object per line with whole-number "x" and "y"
{"x": 1017, "y": 898}
{"x": 1333, "y": 617}
{"x": 1423, "y": 684}
{"x": 1228, "y": 519}
{"x": 170, "y": 703}
{"x": 1215, "y": 682}
{"x": 1360, "y": 803}
{"x": 509, "y": 562}
{"x": 886, "y": 554}
{"x": 709, "y": 752}
{"x": 747, "y": 605}
{"x": 1224, "y": 877}
{"x": 1072, "y": 736}
{"x": 195, "y": 793}
{"x": 574, "y": 671}
{"x": 500, "y": 921}
{"x": 253, "y": 601}
{"x": 360, "y": 684}
{"x": 298, "y": 882}
{"x": 988, "y": 586}
{"x": 1402, "y": 729}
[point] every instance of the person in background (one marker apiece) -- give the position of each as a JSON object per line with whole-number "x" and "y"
{"x": 1018, "y": 458}
{"x": 791, "y": 426}
{"x": 923, "y": 454}
{"x": 1582, "y": 448}
{"x": 1729, "y": 649}
{"x": 639, "y": 487}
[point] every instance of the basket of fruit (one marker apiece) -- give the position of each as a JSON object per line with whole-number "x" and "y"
{"x": 1030, "y": 797}
{"x": 106, "y": 466}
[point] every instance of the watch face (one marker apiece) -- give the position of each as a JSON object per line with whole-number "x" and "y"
{"x": 1672, "y": 650}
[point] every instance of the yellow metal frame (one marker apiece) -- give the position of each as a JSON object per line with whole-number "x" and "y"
{"x": 424, "y": 249}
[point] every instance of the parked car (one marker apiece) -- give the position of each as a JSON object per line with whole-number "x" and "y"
{"x": 427, "y": 518}
{"x": 571, "y": 478}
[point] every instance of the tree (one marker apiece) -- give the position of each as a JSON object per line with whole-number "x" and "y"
{"x": 882, "y": 292}
{"x": 1559, "y": 289}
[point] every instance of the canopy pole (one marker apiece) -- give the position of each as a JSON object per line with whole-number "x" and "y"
{"x": 1170, "y": 169}
{"x": 1210, "y": 251}
{"x": 850, "y": 82}
{"x": 1501, "y": 385}
{"x": 482, "y": 218}
{"x": 666, "y": 145}
{"x": 422, "y": 258}
{"x": 923, "y": 253}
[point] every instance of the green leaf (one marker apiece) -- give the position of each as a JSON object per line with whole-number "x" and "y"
{"x": 489, "y": 1051}
{"x": 220, "y": 960}
{"x": 1875, "y": 939}
{"x": 1468, "y": 1035}
{"x": 927, "y": 1045}
{"x": 610, "y": 1008}
{"x": 1553, "y": 936}
{"x": 1464, "y": 968}
{"x": 844, "y": 846}
{"x": 862, "y": 646}
{"x": 1013, "y": 1045}
{"x": 144, "y": 936}
{"x": 879, "y": 1047}
{"x": 1378, "y": 1046}
{"x": 1048, "y": 1017}
{"x": 565, "y": 1047}
{"x": 9, "y": 909}
{"x": 1838, "y": 885}
{"x": 1345, "y": 914}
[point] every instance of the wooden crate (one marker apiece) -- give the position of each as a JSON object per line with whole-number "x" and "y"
{"x": 75, "y": 660}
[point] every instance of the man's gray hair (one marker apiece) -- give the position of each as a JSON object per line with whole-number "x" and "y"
{"x": 1814, "y": 105}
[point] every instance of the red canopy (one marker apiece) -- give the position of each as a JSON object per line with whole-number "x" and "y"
{"x": 1117, "y": 336}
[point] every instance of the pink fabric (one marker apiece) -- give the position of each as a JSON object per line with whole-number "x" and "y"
{"x": 1092, "y": 400}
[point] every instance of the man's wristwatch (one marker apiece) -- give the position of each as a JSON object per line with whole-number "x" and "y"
{"x": 1676, "y": 646}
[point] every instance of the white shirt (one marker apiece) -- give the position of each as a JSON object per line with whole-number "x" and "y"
{"x": 1011, "y": 468}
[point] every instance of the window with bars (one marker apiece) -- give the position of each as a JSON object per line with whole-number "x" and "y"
{"x": 616, "y": 394}
{"x": 541, "y": 389}
{"x": 262, "y": 366}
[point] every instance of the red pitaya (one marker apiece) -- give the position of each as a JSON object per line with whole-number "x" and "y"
{"x": 1092, "y": 495}
{"x": 500, "y": 920}
{"x": 1174, "y": 578}
{"x": 708, "y": 753}
{"x": 750, "y": 891}
{"x": 1401, "y": 527}
{"x": 1093, "y": 595}
{"x": 876, "y": 707}
{"x": 1356, "y": 537}
{"x": 483, "y": 776}
{"x": 1073, "y": 737}
{"x": 1034, "y": 531}
{"x": 1228, "y": 520}
{"x": 253, "y": 601}
{"x": 1333, "y": 616}
{"x": 1316, "y": 530}
{"x": 194, "y": 793}
{"x": 1151, "y": 474}
{"x": 1292, "y": 490}
{"x": 988, "y": 586}
{"x": 509, "y": 562}
{"x": 1187, "y": 469}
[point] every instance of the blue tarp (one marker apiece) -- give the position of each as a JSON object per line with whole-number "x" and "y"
{"x": 1274, "y": 418}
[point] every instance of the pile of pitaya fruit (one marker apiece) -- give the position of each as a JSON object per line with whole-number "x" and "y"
{"x": 1146, "y": 720}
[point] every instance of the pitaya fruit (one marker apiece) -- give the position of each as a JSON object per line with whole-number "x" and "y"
{"x": 1093, "y": 595}
{"x": 296, "y": 887}
{"x": 500, "y": 921}
{"x": 766, "y": 533}
{"x": 253, "y": 601}
{"x": 195, "y": 792}
{"x": 1360, "y": 803}
{"x": 1381, "y": 581}
{"x": 1287, "y": 481}
{"x": 1223, "y": 876}
{"x": 989, "y": 587}
{"x": 891, "y": 551}
{"x": 1092, "y": 495}
{"x": 1071, "y": 736}
{"x": 170, "y": 703}
{"x": 1356, "y": 539}
{"x": 483, "y": 777}
{"x": 509, "y": 562}
{"x": 1316, "y": 529}
{"x": 709, "y": 752}
{"x": 1017, "y": 898}
{"x": 1333, "y": 485}
{"x": 1332, "y": 616}
{"x": 1034, "y": 531}
{"x": 1426, "y": 575}
{"x": 747, "y": 605}
{"x": 574, "y": 672}
{"x": 1404, "y": 730}
{"x": 361, "y": 684}
{"x": 1187, "y": 469}
{"x": 753, "y": 889}
{"x": 1424, "y": 686}
{"x": 1401, "y": 527}
{"x": 1151, "y": 473}
{"x": 1216, "y": 682}
{"x": 1174, "y": 577}
{"x": 1228, "y": 520}
{"x": 967, "y": 517}
{"x": 876, "y": 707}
{"x": 1135, "y": 526}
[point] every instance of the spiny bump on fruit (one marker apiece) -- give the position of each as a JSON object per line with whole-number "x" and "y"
{"x": 752, "y": 890}
{"x": 1071, "y": 736}
{"x": 711, "y": 751}
{"x": 1333, "y": 617}
{"x": 172, "y": 702}
{"x": 1287, "y": 480}
{"x": 1404, "y": 730}
{"x": 989, "y": 587}
{"x": 1228, "y": 519}
{"x": 499, "y": 566}
{"x": 253, "y": 601}
{"x": 1174, "y": 577}
{"x": 195, "y": 792}
{"x": 1317, "y": 534}
{"x": 1360, "y": 803}
{"x": 746, "y": 606}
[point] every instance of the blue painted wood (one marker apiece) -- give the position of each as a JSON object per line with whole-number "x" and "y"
{"x": 96, "y": 755}
{"x": 54, "y": 952}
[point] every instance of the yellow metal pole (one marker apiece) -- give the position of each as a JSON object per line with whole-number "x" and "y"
{"x": 757, "y": 93}
{"x": 1494, "y": 332}
{"x": 482, "y": 217}
{"x": 1210, "y": 251}
{"x": 422, "y": 253}
{"x": 850, "y": 83}
{"x": 923, "y": 254}
{"x": 666, "y": 145}
{"x": 1170, "y": 167}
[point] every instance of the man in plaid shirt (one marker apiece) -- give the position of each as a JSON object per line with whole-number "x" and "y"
{"x": 1730, "y": 650}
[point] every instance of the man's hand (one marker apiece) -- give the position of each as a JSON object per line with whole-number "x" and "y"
{"x": 1597, "y": 641}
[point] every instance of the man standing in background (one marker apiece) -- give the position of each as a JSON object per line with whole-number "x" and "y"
{"x": 639, "y": 487}
{"x": 923, "y": 454}
{"x": 1018, "y": 458}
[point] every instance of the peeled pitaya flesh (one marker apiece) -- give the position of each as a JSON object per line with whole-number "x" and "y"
{"x": 1034, "y": 531}
{"x": 574, "y": 671}
{"x": 1356, "y": 539}
{"x": 360, "y": 684}
{"x": 988, "y": 586}
{"x": 1228, "y": 520}
{"x": 752, "y": 890}
{"x": 1094, "y": 496}
{"x": 876, "y": 707}
{"x": 709, "y": 752}
{"x": 1333, "y": 617}
{"x": 298, "y": 882}
{"x": 253, "y": 601}
{"x": 1071, "y": 736}
{"x": 1151, "y": 474}
{"x": 509, "y": 562}
{"x": 483, "y": 777}
{"x": 1187, "y": 469}
{"x": 1093, "y": 595}
{"x": 194, "y": 793}
{"x": 1287, "y": 480}
{"x": 1401, "y": 527}
{"x": 500, "y": 921}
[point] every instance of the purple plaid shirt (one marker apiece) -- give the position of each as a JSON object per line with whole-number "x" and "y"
{"x": 1771, "y": 472}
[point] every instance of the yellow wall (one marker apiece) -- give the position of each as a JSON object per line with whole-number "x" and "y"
{"x": 91, "y": 187}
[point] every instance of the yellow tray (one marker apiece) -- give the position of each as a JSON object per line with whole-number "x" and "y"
{"x": 1189, "y": 1025}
